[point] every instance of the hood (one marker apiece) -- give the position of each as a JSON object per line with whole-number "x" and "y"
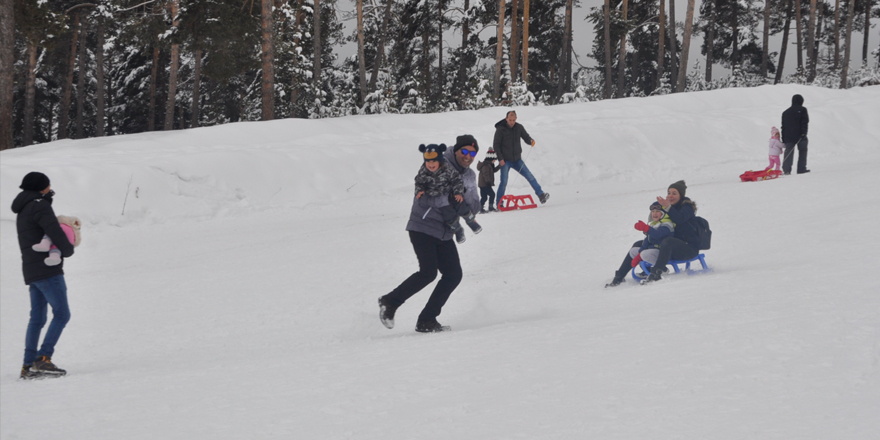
{"x": 503, "y": 124}
{"x": 449, "y": 155}
{"x": 23, "y": 198}
{"x": 797, "y": 101}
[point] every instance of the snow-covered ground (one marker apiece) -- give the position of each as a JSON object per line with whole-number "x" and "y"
{"x": 226, "y": 285}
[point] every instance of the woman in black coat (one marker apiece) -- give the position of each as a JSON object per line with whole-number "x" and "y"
{"x": 682, "y": 246}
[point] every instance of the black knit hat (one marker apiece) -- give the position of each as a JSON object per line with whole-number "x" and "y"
{"x": 34, "y": 181}
{"x": 680, "y": 186}
{"x": 432, "y": 151}
{"x": 465, "y": 140}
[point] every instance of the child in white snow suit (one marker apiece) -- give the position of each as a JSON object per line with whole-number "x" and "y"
{"x": 486, "y": 180}
{"x": 71, "y": 227}
{"x": 437, "y": 178}
{"x": 776, "y": 148}
{"x": 658, "y": 227}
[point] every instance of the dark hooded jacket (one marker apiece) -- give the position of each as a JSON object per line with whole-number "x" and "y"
{"x": 795, "y": 121}
{"x": 506, "y": 143}
{"x": 36, "y": 219}
{"x": 684, "y": 214}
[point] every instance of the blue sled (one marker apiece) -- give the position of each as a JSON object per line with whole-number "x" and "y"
{"x": 687, "y": 266}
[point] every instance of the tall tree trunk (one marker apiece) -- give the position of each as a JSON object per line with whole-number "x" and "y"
{"x": 440, "y": 77}
{"x": 525, "y": 40}
{"x": 426, "y": 66}
{"x": 685, "y": 47}
{"x": 362, "y": 64}
{"x": 295, "y": 86}
{"x": 465, "y": 34}
{"x": 867, "y": 32}
{"x": 499, "y": 49}
{"x": 811, "y": 42}
{"x": 81, "y": 83}
{"x": 172, "y": 73}
{"x": 561, "y": 85}
{"x": 766, "y": 43}
{"x": 847, "y": 43}
{"x": 316, "y": 75}
{"x": 27, "y": 135}
{"x": 99, "y": 76}
{"x": 67, "y": 87}
{"x": 267, "y": 60}
{"x": 661, "y": 43}
{"x": 7, "y": 72}
{"x": 799, "y": 34}
{"x": 785, "y": 31}
{"x": 836, "y": 34}
{"x": 710, "y": 40}
{"x": 154, "y": 78}
{"x": 735, "y": 26}
{"x": 380, "y": 55}
{"x": 607, "y": 49}
{"x": 197, "y": 81}
{"x": 673, "y": 49}
{"x": 821, "y": 8}
{"x": 514, "y": 39}
{"x": 621, "y": 55}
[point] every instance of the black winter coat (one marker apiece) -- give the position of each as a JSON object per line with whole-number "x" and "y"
{"x": 684, "y": 216}
{"x": 795, "y": 121}
{"x": 36, "y": 219}
{"x": 506, "y": 143}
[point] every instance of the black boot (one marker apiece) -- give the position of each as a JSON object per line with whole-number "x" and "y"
{"x": 386, "y": 312}
{"x": 654, "y": 275}
{"x": 471, "y": 221}
{"x": 618, "y": 279}
{"x": 431, "y": 326}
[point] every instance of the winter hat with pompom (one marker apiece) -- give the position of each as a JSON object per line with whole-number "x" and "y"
{"x": 680, "y": 186}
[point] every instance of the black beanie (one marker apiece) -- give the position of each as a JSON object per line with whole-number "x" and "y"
{"x": 680, "y": 186}
{"x": 34, "y": 181}
{"x": 465, "y": 140}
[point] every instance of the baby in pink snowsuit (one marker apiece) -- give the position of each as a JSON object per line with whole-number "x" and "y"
{"x": 71, "y": 227}
{"x": 776, "y": 148}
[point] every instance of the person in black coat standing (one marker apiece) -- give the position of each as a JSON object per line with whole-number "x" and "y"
{"x": 795, "y": 122}
{"x": 35, "y": 218}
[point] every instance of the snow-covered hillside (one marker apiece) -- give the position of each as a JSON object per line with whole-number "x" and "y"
{"x": 226, "y": 285}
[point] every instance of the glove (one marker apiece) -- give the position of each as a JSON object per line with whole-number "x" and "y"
{"x": 636, "y": 260}
{"x": 642, "y": 226}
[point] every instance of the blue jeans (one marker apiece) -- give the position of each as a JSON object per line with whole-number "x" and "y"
{"x": 51, "y": 291}
{"x": 521, "y": 168}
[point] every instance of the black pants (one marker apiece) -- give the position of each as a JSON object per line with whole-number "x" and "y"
{"x": 434, "y": 255}
{"x": 486, "y": 192}
{"x": 789, "y": 156}
{"x": 671, "y": 248}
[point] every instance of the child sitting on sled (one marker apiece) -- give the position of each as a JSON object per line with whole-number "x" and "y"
{"x": 776, "y": 148}
{"x": 436, "y": 178}
{"x": 659, "y": 226}
{"x": 71, "y": 227}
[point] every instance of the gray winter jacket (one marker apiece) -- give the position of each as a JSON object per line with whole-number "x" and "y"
{"x": 425, "y": 217}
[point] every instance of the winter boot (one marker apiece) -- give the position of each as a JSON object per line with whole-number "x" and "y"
{"x": 543, "y": 197}
{"x": 654, "y": 275}
{"x": 54, "y": 258}
{"x": 386, "y": 313}
{"x": 618, "y": 279}
{"x": 492, "y": 208}
{"x": 28, "y": 374}
{"x": 459, "y": 235}
{"x": 471, "y": 221}
{"x": 431, "y": 326}
{"x": 44, "y": 245}
{"x": 44, "y": 365}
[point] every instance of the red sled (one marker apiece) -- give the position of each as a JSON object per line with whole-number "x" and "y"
{"x": 757, "y": 176}
{"x": 509, "y": 203}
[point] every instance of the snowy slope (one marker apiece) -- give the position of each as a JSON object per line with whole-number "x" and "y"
{"x": 234, "y": 297}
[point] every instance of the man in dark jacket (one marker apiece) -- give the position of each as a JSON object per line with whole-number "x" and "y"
{"x": 432, "y": 242}
{"x": 35, "y": 218}
{"x": 509, "y": 150}
{"x": 795, "y": 122}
